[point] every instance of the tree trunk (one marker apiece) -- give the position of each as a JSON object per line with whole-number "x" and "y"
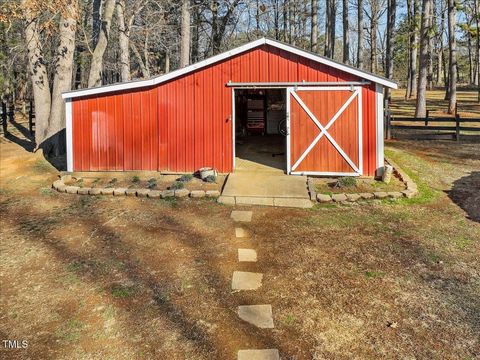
{"x": 196, "y": 33}
{"x": 291, "y": 22}
{"x": 477, "y": 20}
{"x": 138, "y": 57}
{"x": 39, "y": 77}
{"x": 185, "y": 34}
{"x": 430, "y": 49}
{"x": 331, "y": 13}
{"x": 276, "y": 19}
{"x": 360, "y": 35}
{"x": 96, "y": 20}
{"x": 167, "y": 62}
{"x": 346, "y": 35}
{"x": 408, "y": 88}
{"x": 452, "y": 47}
{"x": 471, "y": 69}
{"x": 440, "y": 59}
{"x": 414, "y": 52}
{"x": 314, "y": 32}
{"x": 285, "y": 20}
{"x": 391, "y": 15}
{"x": 62, "y": 79}
{"x": 373, "y": 38}
{"x": 421, "y": 106}
{"x": 96, "y": 66}
{"x": 123, "y": 41}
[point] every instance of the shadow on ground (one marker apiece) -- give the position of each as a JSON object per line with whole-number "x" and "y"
{"x": 20, "y": 136}
{"x": 465, "y": 193}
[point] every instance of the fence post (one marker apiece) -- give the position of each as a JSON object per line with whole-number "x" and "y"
{"x": 427, "y": 116}
{"x": 457, "y": 127}
{"x": 389, "y": 125}
{"x": 4, "y": 118}
{"x": 30, "y": 118}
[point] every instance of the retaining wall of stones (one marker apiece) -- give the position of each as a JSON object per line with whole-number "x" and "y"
{"x": 410, "y": 191}
{"x": 60, "y": 186}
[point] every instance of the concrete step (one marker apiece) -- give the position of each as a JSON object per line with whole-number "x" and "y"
{"x": 266, "y": 201}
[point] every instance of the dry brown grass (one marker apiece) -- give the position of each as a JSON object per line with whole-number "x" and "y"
{"x": 121, "y": 278}
{"x": 467, "y": 103}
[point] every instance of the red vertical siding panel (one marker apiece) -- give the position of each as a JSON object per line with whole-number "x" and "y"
{"x": 264, "y": 69}
{"x": 207, "y": 138}
{"x": 145, "y": 132}
{"x": 110, "y": 131}
{"x": 128, "y": 131}
{"x": 162, "y": 128}
{"x": 154, "y": 126}
{"x": 293, "y": 67}
{"x": 119, "y": 134}
{"x": 273, "y": 65}
{"x": 136, "y": 130}
{"x": 198, "y": 120}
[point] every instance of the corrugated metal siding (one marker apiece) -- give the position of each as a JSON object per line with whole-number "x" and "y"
{"x": 186, "y": 123}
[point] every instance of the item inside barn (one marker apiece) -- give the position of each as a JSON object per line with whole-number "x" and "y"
{"x": 256, "y": 114}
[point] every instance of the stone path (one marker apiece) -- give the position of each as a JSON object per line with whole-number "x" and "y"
{"x": 246, "y": 280}
{"x": 266, "y": 354}
{"x": 247, "y": 255}
{"x": 260, "y": 316}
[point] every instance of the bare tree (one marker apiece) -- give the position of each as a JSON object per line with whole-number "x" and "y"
{"x": 314, "y": 32}
{"x": 123, "y": 40}
{"x": 96, "y": 66}
{"x": 413, "y": 40}
{"x": 185, "y": 34}
{"x": 38, "y": 73}
{"x": 360, "y": 34}
{"x": 63, "y": 72}
{"x": 421, "y": 105}
{"x": 391, "y": 15}
{"x": 346, "y": 36}
{"x": 330, "y": 19}
{"x": 452, "y": 54}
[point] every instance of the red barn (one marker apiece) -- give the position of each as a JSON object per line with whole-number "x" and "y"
{"x": 265, "y": 101}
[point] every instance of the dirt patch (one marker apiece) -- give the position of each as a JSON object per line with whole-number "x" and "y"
{"x": 157, "y": 182}
{"x": 333, "y": 186}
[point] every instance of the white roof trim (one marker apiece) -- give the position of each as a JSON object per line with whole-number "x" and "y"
{"x": 214, "y": 59}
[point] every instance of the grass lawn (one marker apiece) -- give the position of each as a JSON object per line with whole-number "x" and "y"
{"x": 128, "y": 278}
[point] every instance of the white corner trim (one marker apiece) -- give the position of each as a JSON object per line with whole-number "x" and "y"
{"x": 379, "y": 125}
{"x": 68, "y": 133}
{"x": 214, "y": 59}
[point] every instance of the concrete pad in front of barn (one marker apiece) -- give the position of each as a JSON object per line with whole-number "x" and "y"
{"x": 269, "y": 185}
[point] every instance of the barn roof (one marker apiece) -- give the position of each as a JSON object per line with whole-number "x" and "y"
{"x": 238, "y": 50}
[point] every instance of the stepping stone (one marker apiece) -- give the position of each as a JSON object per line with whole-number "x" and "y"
{"x": 247, "y": 255}
{"x": 258, "y": 315}
{"x": 246, "y": 280}
{"x": 241, "y": 233}
{"x": 244, "y": 216}
{"x": 264, "y": 354}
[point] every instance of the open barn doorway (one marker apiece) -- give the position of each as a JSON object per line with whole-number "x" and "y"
{"x": 260, "y": 129}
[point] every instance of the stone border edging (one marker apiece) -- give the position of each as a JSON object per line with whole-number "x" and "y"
{"x": 410, "y": 191}
{"x": 60, "y": 186}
